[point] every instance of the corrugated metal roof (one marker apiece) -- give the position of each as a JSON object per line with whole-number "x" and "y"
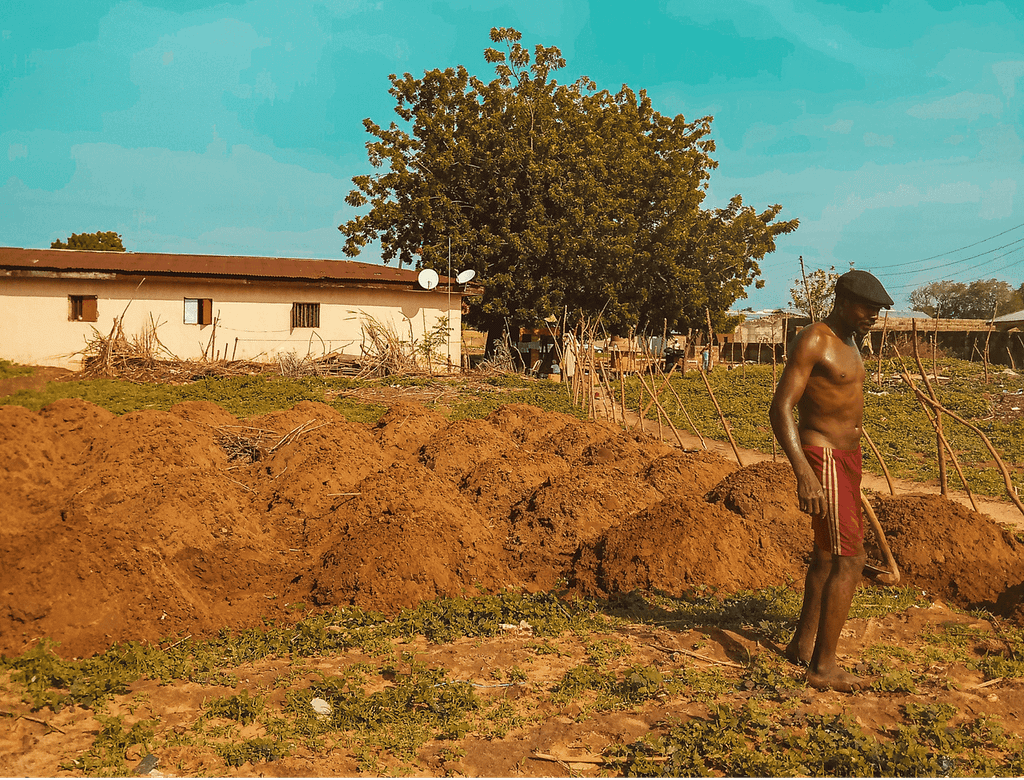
{"x": 270, "y": 268}
{"x": 1017, "y": 316}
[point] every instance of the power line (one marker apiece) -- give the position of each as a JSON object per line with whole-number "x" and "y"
{"x": 972, "y": 270}
{"x": 959, "y": 249}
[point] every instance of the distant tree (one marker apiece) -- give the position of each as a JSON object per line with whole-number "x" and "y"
{"x": 815, "y": 298}
{"x": 977, "y": 300}
{"x": 559, "y": 196}
{"x": 98, "y": 242}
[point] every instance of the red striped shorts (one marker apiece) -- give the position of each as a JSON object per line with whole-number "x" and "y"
{"x": 840, "y": 530}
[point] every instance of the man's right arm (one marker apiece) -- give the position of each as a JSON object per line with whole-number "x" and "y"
{"x": 805, "y": 352}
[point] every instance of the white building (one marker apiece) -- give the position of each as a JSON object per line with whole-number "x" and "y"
{"x": 53, "y": 301}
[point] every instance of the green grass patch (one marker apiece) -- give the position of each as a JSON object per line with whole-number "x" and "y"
{"x": 46, "y": 680}
{"x": 250, "y": 396}
{"x": 892, "y": 417}
{"x": 107, "y": 757}
{"x": 9, "y": 370}
{"x": 749, "y": 741}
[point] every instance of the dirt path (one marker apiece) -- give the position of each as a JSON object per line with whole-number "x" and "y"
{"x": 1001, "y": 510}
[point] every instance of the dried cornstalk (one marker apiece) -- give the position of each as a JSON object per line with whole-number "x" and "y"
{"x": 243, "y": 443}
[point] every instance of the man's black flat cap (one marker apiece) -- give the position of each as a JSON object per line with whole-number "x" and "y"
{"x": 865, "y": 286}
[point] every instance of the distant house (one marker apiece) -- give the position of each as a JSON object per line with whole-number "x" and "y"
{"x": 53, "y": 301}
{"x": 755, "y": 338}
{"x": 1010, "y": 321}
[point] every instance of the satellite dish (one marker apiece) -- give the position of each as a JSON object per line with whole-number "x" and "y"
{"x": 465, "y": 276}
{"x": 427, "y": 279}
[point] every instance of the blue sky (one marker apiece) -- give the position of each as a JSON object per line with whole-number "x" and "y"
{"x": 892, "y": 130}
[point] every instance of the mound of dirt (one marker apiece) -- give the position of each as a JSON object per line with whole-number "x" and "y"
{"x": 746, "y": 532}
{"x": 161, "y": 524}
{"x": 946, "y": 549}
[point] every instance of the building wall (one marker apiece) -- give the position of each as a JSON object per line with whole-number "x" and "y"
{"x": 252, "y": 319}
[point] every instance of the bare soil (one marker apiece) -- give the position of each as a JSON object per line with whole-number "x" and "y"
{"x": 161, "y": 524}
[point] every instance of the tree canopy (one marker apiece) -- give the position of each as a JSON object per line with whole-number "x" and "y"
{"x": 559, "y": 196}
{"x": 815, "y": 295}
{"x": 977, "y": 300}
{"x": 99, "y": 242}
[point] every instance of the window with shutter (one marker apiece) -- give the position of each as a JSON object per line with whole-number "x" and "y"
{"x": 305, "y": 315}
{"x": 82, "y": 308}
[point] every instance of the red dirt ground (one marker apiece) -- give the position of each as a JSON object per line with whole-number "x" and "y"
{"x": 143, "y": 527}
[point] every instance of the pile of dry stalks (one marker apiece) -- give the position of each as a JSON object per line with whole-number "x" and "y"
{"x": 144, "y": 358}
{"x": 115, "y": 355}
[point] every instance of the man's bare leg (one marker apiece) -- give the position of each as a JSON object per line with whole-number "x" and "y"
{"x": 801, "y": 647}
{"x": 837, "y": 595}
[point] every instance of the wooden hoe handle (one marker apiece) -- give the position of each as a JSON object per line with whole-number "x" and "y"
{"x": 892, "y": 576}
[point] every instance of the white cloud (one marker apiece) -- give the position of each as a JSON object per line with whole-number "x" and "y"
{"x": 963, "y": 105}
{"x": 842, "y": 126}
{"x": 170, "y": 201}
{"x": 997, "y": 202}
{"x": 387, "y": 45}
{"x": 874, "y": 139}
{"x": 15, "y": 151}
{"x": 760, "y": 133}
{"x": 1006, "y": 74}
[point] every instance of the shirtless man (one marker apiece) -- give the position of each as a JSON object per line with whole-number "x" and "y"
{"x": 824, "y": 379}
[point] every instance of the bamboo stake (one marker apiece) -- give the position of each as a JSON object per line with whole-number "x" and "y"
{"x": 606, "y": 387}
{"x": 721, "y": 416}
{"x": 647, "y": 358}
{"x": 580, "y": 363}
{"x": 881, "y": 348}
{"x": 943, "y": 480}
{"x": 987, "y": 337}
{"x": 785, "y": 334}
{"x": 591, "y": 371}
{"x": 622, "y": 390}
{"x": 658, "y": 391}
{"x": 807, "y": 291}
{"x": 640, "y": 405}
{"x": 686, "y": 414}
{"x": 711, "y": 339}
{"x": 775, "y": 451}
{"x": 1006, "y": 476}
{"x": 665, "y": 380}
{"x": 935, "y": 346}
{"x": 640, "y": 402}
{"x": 679, "y": 439}
{"x": 937, "y": 425}
{"x": 885, "y": 469}
{"x": 1010, "y": 490}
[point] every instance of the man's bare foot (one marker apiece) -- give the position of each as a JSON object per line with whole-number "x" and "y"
{"x": 836, "y": 680}
{"x": 796, "y": 656}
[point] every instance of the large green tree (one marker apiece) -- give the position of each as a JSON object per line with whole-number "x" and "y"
{"x": 559, "y": 196}
{"x": 977, "y": 300}
{"x": 98, "y": 242}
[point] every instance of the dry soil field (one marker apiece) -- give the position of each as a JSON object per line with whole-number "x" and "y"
{"x": 168, "y": 527}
